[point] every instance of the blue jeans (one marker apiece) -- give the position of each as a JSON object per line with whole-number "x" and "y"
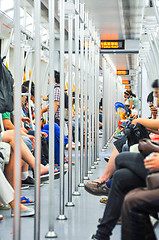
{"x": 57, "y": 140}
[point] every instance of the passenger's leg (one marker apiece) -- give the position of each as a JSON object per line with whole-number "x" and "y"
{"x": 123, "y": 181}
{"x": 27, "y": 156}
{"x": 110, "y": 168}
{"x": 136, "y": 203}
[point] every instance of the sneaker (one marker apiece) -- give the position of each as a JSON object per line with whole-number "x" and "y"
{"x": 29, "y": 181}
{"x": 24, "y": 187}
{"x": 98, "y": 189}
{"x": 1, "y": 217}
{"x": 25, "y": 213}
{"x": 106, "y": 159}
{"x": 4, "y": 206}
{"x": 92, "y": 237}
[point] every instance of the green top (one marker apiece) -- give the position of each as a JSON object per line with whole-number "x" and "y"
{"x": 6, "y": 115}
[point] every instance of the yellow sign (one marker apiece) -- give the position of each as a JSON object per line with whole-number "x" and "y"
{"x": 113, "y": 44}
{"x": 122, "y": 72}
{"x": 125, "y": 82}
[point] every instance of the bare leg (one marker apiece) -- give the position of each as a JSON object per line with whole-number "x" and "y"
{"x": 110, "y": 168}
{"x": 8, "y": 136}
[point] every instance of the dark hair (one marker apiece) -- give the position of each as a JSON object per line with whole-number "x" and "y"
{"x": 26, "y": 84}
{"x": 127, "y": 93}
{"x": 150, "y": 97}
{"x": 155, "y": 83}
{"x": 24, "y": 89}
{"x": 57, "y": 76}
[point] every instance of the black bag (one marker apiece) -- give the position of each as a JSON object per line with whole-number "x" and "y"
{"x": 135, "y": 132}
{"x": 6, "y": 89}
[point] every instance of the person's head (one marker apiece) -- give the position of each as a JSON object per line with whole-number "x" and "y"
{"x": 155, "y": 86}
{"x": 26, "y": 84}
{"x": 57, "y": 76}
{"x": 150, "y": 99}
{"x": 126, "y": 94}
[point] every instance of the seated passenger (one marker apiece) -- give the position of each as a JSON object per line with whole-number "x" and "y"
{"x": 138, "y": 205}
{"x": 7, "y": 197}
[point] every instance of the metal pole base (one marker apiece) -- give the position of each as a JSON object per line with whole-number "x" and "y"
{"x": 90, "y": 172}
{"x": 81, "y": 185}
{"x": 95, "y": 163}
{"x": 70, "y": 204}
{"x": 98, "y": 160}
{"x": 61, "y": 217}
{"x": 86, "y": 178}
{"x": 93, "y": 167}
{"x": 51, "y": 235}
{"x": 76, "y": 193}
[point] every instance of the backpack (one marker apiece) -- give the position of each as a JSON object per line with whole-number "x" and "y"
{"x": 6, "y": 89}
{"x": 65, "y": 99}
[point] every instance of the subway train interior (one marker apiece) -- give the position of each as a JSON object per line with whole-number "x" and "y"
{"x": 90, "y": 70}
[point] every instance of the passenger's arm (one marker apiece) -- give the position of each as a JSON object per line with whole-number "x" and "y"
{"x": 44, "y": 109}
{"x": 131, "y": 104}
{"x": 148, "y": 123}
{"x": 56, "y": 104}
{"x": 8, "y": 125}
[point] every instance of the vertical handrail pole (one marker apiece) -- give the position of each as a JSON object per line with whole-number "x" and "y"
{"x": 51, "y": 233}
{"x": 81, "y": 98}
{"x": 37, "y": 16}
{"x": 70, "y": 33}
{"x": 97, "y": 120}
{"x": 86, "y": 108}
{"x": 76, "y": 192}
{"x": 17, "y": 121}
{"x": 62, "y": 80}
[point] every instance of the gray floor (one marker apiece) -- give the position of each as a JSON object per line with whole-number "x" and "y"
{"x": 82, "y": 219}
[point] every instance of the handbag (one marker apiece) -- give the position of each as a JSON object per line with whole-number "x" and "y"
{"x": 135, "y": 132}
{"x": 152, "y": 181}
{"x": 147, "y": 146}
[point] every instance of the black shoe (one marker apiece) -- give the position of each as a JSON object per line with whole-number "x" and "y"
{"x": 93, "y": 237}
{"x": 106, "y": 159}
{"x": 98, "y": 189}
{"x": 29, "y": 181}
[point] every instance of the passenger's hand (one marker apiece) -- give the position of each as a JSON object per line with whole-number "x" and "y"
{"x": 154, "y": 111}
{"x": 45, "y": 98}
{"x": 44, "y": 134}
{"x": 31, "y": 137}
{"x": 26, "y": 120}
{"x": 152, "y": 163}
{"x": 134, "y": 121}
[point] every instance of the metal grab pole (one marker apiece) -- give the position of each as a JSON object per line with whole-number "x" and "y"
{"x": 51, "y": 233}
{"x": 37, "y": 15}
{"x": 62, "y": 27}
{"x": 97, "y": 136}
{"x": 17, "y": 121}
{"x": 70, "y": 31}
{"x": 76, "y": 192}
{"x": 24, "y": 64}
{"x": 94, "y": 161}
{"x": 92, "y": 108}
{"x": 86, "y": 110}
{"x": 81, "y": 184}
{"x": 89, "y": 109}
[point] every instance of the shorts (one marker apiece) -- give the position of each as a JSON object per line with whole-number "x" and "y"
{"x": 119, "y": 143}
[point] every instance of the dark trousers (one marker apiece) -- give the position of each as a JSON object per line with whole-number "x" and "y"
{"x": 130, "y": 173}
{"x": 137, "y": 206}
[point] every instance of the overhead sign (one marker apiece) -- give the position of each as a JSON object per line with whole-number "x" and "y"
{"x": 127, "y": 87}
{"x": 112, "y": 44}
{"x": 125, "y": 82}
{"x": 122, "y": 72}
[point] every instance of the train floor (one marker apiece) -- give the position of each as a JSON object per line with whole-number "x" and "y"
{"x": 81, "y": 220}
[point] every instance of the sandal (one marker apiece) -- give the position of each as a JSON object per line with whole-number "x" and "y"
{"x": 104, "y": 200}
{"x": 4, "y": 206}
{"x": 26, "y": 201}
{"x": 95, "y": 182}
